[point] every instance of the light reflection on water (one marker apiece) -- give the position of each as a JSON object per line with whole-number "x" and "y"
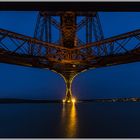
{"x": 69, "y": 119}
{"x": 82, "y": 120}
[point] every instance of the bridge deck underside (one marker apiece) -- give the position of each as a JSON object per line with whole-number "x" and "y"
{"x": 120, "y": 49}
{"x": 60, "y": 67}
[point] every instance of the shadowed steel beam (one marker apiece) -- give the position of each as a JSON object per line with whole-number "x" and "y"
{"x": 111, "y": 39}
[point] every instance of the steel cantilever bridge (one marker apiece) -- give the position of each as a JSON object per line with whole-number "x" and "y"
{"x": 68, "y": 42}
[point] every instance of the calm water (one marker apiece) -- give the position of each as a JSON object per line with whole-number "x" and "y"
{"x": 81, "y": 120}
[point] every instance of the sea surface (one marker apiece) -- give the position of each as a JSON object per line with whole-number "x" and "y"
{"x": 81, "y": 120}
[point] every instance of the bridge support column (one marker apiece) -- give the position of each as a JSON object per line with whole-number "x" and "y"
{"x": 68, "y": 97}
{"x": 68, "y": 81}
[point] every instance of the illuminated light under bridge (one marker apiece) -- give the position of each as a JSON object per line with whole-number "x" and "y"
{"x": 68, "y": 43}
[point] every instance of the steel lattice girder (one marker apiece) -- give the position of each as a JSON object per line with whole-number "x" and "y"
{"x": 33, "y": 51}
{"x": 70, "y": 64}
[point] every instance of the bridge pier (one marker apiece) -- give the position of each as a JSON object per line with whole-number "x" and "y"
{"x": 68, "y": 81}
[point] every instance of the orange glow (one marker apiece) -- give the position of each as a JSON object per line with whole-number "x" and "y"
{"x": 69, "y": 118}
{"x": 73, "y": 100}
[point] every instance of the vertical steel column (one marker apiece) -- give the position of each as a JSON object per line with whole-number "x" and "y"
{"x": 87, "y": 30}
{"x": 68, "y": 24}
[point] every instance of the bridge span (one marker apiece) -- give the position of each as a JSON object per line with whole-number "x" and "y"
{"x": 68, "y": 43}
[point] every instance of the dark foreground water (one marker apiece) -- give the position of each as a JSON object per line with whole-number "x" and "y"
{"x": 85, "y": 120}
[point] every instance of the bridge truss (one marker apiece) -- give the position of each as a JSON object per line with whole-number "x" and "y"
{"x": 68, "y": 43}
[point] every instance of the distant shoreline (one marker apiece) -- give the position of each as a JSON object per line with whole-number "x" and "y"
{"x": 11, "y": 100}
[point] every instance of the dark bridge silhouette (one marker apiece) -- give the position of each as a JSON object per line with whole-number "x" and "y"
{"x": 68, "y": 43}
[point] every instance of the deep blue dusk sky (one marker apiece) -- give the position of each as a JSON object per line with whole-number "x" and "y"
{"x": 32, "y": 83}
